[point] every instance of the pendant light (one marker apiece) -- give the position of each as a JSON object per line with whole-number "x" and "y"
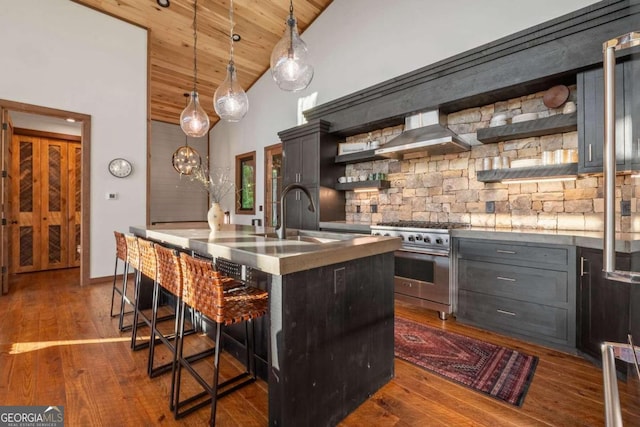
{"x": 186, "y": 159}
{"x": 290, "y": 65}
{"x": 194, "y": 120}
{"x": 230, "y": 101}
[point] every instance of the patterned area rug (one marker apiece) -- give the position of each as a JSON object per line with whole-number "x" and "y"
{"x": 497, "y": 371}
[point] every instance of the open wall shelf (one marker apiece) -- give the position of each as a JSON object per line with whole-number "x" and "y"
{"x": 378, "y": 184}
{"x": 497, "y": 175}
{"x": 359, "y": 156}
{"x": 545, "y": 126}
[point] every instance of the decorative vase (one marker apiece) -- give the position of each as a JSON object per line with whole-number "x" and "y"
{"x": 215, "y": 217}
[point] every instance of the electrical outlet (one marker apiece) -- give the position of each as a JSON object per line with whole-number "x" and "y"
{"x": 490, "y": 207}
{"x": 374, "y": 208}
{"x": 625, "y": 207}
{"x": 111, "y": 196}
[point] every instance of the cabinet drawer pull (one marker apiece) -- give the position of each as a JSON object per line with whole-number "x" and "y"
{"x": 507, "y": 279}
{"x": 408, "y": 284}
{"x": 590, "y": 157}
{"x": 501, "y": 251}
{"x": 510, "y": 313}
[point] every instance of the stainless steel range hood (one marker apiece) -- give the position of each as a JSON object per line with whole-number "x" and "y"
{"x": 427, "y": 133}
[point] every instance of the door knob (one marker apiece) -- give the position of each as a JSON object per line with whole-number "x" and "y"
{"x": 14, "y": 222}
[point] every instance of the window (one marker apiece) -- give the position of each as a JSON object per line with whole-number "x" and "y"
{"x": 246, "y": 183}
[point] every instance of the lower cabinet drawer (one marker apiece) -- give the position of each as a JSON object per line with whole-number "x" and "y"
{"x": 511, "y": 281}
{"x": 537, "y": 321}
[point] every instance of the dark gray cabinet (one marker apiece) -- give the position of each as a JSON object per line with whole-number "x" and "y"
{"x": 520, "y": 289}
{"x": 308, "y": 153}
{"x": 297, "y": 211}
{"x": 591, "y": 117}
{"x": 301, "y": 158}
{"x": 603, "y": 305}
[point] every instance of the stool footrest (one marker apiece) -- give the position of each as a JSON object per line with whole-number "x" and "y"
{"x": 245, "y": 376}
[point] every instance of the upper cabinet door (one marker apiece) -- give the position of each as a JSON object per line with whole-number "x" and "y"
{"x": 290, "y": 162}
{"x": 632, "y": 106}
{"x": 301, "y": 161}
{"x": 591, "y": 119}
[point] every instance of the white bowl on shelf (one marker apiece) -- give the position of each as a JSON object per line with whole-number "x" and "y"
{"x": 525, "y": 163}
{"x": 524, "y": 117}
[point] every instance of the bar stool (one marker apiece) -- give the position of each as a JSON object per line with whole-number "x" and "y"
{"x": 148, "y": 268}
{"x": 133, "y": 262}
{"x": 121, "y": 255}
{"x": 169, "y": 278}
{"x": 222, "y": 301}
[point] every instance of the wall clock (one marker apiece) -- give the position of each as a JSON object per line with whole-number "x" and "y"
{"x": 120, "y": 168}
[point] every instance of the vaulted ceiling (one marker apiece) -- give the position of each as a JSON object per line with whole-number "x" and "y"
{"x": 260, "y": 23}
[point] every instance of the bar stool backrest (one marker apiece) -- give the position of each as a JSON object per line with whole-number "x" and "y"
{"x": 148, "y": 261}
{"x": 203, "y": 287}
{"x": 133, "y": 252}
{"x": 169, "y": 270}
{"x": 121, "y": 246}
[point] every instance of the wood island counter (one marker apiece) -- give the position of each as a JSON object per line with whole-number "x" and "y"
{"x": 329, "y": 333}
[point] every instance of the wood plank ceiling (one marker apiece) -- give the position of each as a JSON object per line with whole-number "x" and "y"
{"x": 260, "y": 23}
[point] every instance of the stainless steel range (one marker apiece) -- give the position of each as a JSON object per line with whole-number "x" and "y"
{"x": 423, "y": 263}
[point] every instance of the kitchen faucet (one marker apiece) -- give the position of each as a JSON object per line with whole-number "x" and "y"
{"x": 281, "y": 229}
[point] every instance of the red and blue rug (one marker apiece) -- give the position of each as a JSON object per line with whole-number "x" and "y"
{"x": 500, "y": 372}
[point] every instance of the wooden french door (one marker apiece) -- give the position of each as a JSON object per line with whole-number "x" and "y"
{"x": 5, "y": 198}
{"x": 46, "y": 203}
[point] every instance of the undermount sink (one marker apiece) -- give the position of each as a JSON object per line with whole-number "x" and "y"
{"x": 309, "y": 236}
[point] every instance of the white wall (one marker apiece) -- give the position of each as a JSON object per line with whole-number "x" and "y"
{"x": 357, "y": 43}
{"x": 45, "y": 123}
{"x": 59, "y": 54}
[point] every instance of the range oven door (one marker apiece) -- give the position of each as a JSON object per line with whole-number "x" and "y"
{"x": 423, "y": 279}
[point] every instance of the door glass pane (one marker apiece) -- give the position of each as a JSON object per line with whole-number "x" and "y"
{"x": 78, "y": 177}
{"x": 55, "y": 195}
{"x": 26, "y": 177}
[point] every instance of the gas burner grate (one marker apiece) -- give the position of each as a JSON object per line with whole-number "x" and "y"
{"x": 424, "y": 224}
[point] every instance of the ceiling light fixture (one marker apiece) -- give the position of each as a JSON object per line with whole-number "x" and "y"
{"x": 290, "y": 66}
{"x": 230, "y": 101}
{"x": 163, "y": 3}
{"x": 186, "y": 159}
{"x": 194, "y": 120}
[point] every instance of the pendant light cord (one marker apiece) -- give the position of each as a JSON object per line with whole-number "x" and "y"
{"x": 291, "y": 23}
{"x": 232, "y": 25}
{"x": 195, "y": 43}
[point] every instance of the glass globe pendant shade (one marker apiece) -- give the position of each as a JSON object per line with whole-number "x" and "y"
{"x": 185, "y": 160}
{"x": 290, "y": 67}
{"x": 230, "y": 101}
{"x": 194, "y": 120}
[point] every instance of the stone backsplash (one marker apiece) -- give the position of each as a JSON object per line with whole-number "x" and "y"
{"x": 445, "y": 189}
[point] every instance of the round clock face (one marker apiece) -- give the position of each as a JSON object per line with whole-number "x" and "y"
{"x": 120, "y": 168}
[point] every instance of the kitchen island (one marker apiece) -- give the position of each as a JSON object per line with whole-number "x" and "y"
{"x": 330, "y": 321}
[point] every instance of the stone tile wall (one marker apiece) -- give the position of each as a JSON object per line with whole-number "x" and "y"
{"x": 445, "y": 188}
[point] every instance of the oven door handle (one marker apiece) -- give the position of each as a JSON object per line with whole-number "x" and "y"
{"x": 399, "y": 252}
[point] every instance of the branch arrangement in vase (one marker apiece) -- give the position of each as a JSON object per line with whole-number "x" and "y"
{"x": 217, "y": 181}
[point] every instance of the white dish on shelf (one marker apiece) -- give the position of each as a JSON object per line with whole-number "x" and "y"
{"x": 351, "y": 147}
{"x": 525, "y": 163}
{"x": 524, "y": 117}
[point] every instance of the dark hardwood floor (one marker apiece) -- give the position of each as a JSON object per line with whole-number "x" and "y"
{"x": 59, "y": 346}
